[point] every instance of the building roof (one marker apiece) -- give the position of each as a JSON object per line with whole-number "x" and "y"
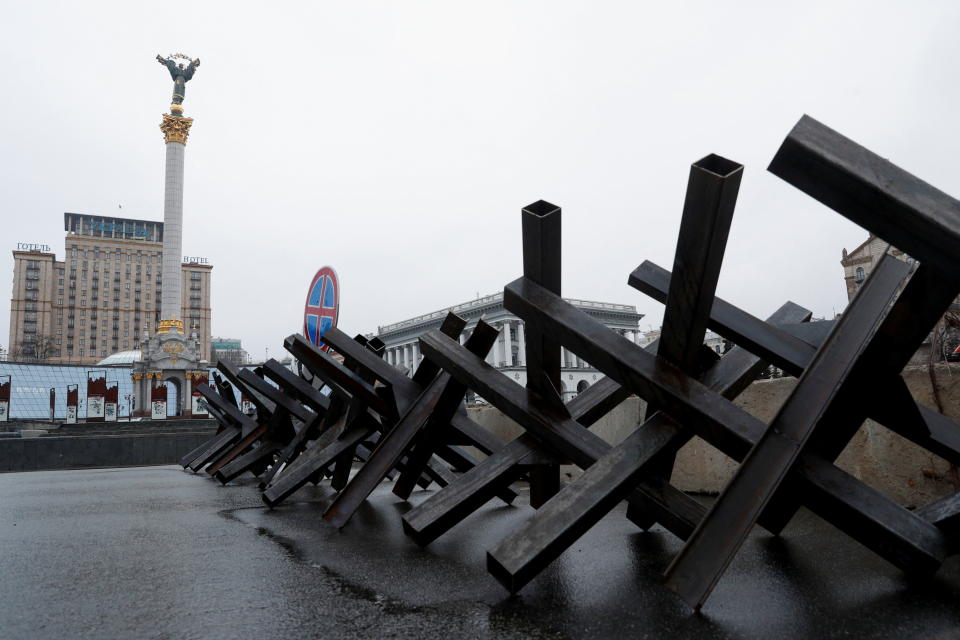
{"x": 122, "y": 357}
{"x": 112, "y": 227}
{"x": 492, "y": 302}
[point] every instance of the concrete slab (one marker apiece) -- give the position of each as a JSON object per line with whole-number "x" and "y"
{"x": 159, "y": 552}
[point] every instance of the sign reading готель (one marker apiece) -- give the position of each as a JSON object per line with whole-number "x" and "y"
{"x": 27, "y": 246}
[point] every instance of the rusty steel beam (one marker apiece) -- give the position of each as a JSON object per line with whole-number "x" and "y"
{"x": 439, "y": 401}
{"x": 895, "y": 533}
{"x": 277, "y": 397}
{"x": 431, "y": 435}
{"x": 313, "y": 461}
{"x": 711, "y": 197}
{"x": 541, "y": 232}
{"x": 712, "y": 188}
{"x": 381, "y": 399}
{"x": 296, "y": 386}
{"x": 582, "y": 503}
{"x": 264, "y": 406}
{"x": 277, "y": 427}
{"x": 224, "y": 424}
{"x": 218, "y": 444}
{"x": 697, "y": 568}
{"x": 225, "y": 390}
{"x": 248, "y": 461}
{"x": 945, "y": 515}
{"x": 562, "y": 435}
{"x": 349, "y": 381}
{"x": 792, "y": 346}
{"x": 873, "y": 192}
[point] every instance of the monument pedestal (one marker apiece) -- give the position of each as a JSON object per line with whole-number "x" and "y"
{"x": 168, "y": 356}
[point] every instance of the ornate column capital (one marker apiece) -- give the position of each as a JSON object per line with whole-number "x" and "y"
{"x": 175, "y": 128}
{"x": 170, "y": 326}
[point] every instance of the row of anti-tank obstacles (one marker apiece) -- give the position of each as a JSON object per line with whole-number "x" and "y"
{"x": 413, "y": 429}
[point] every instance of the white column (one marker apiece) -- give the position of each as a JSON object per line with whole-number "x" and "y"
{"x": 170, "y": 302}
{"x": 416, "y": 353}
{"x": 507, "y": 345}
{"x": 573, "y": 360}
{"x": 522, "y": 344}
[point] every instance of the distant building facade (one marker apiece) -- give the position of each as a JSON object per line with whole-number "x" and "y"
{"x": 103, "y": 297}
{"x": 508, "y": 353}
{"x": 858, "y": 264}
{"x": 228, "y": 350}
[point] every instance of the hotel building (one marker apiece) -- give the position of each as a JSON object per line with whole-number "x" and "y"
{"x": 103, "y": 297}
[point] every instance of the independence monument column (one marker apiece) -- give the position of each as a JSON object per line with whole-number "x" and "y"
{"x": 169, "y": 355}
{"x": 175, "y": 130}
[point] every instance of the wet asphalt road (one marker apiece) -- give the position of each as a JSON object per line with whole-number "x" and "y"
{"x": 156, "y": 552}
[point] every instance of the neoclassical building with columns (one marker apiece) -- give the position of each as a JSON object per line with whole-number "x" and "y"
{"x": 403, "y": 351}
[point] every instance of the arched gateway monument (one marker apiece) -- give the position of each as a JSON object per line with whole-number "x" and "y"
{"x": 170, "y": 355}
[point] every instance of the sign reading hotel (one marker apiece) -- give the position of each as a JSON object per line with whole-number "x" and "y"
{"x": 27, "y": 246}
{"x": 195, "y": 260}
{"x": 322, "y": 307}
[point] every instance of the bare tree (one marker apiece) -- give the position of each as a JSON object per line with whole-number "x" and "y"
{"x": 38, "y": 350}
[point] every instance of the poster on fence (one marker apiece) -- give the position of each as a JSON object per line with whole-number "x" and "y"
{"x": 4, "y": 398}
{"x": 110, "y": 401}
{"x": 73, "y": 400}
{"x": 158, "y": 402}
{"x": 96, "y": 392}
{"x": 198, "y": 406}
{"x": 94, "y": 408}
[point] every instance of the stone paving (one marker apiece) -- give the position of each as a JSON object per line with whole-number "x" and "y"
{"x": 156, "y": 552}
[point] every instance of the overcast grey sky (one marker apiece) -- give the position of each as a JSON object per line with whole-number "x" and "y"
{"x": 399, "y": 141}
